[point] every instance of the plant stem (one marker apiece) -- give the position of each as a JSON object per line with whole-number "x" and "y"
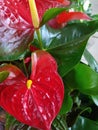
{"x": 39, "y": 38}
{"x": 35, "y": 20}
{"x": 25, "y": 69}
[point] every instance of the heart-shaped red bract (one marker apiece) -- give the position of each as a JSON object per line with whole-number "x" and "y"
{"x": 38, "y": 105}
{"x": 16, "y": 29}
{"x": 18, "y": 11}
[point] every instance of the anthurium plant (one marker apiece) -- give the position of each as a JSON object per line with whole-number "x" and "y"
{"x": 44, "y": 85}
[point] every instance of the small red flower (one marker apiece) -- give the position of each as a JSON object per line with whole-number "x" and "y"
{"x": 35, "y": 101}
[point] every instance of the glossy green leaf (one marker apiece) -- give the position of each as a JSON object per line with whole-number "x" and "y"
{"x": 91, "y": 60}
{"x": 3, "y": 75}
{"x": 67, "y": 45}
{"x": 83, "y": 78}
{"x": 95, "y": 99}
{"x": 51, "y": 13}
{"x": 13, "y": 53}
{"x": 94, "y": 65}
{"x": 85, "y": 124}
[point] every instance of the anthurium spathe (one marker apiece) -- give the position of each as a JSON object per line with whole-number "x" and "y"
{"x": 35, "y": 101}
{"x": 17, "y": 13}
{"x": 68, "y": 16}
{"x": 16, "y": 28}
{"x": 63, "y": 18}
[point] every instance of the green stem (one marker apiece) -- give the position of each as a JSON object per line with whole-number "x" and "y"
{"x": 25, "y": 69}
{"x": 39, "y": 38}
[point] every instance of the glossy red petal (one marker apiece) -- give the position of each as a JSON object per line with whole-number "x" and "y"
{"x": 65, "y": 2}
{"x": 65, "y": 17}
{"x": 43, "y": 5}
{"x": 15, "y": 75}
{"x": 54, "y": 24}
{"x": 14, "y": 37}
{"x": 16, "y": 13}
{"x": 48, "y": 85}
{"x": 42, "y": 61}
{"x": 62, "y": 19}
{"x": 36, "y": 106}
{"x": 14, "y": 72}
{"x": 16, "y": 29}
{"x": 15, "y": 80}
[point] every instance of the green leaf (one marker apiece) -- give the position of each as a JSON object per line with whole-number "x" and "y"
{"x": 67, "y": 45}
{"x": 13, "y": 124}
{"x": 67, "y": 104}
{"x": 85, "y": 124}
{"x": 95, "y": 16}
{"x": 83, "y": 78}
{"x": 73, "y": 115}
{"x": 91, "y": 60}
{"x": 95, "y": 99}
{"x": 51, "y": 13}
{"x": 13, "y": 53}
{"x": 59, "y": 123}
{"x": 10, "y": 122}
{"x": 3, "y": 75}
{"x": 94, "y": 65}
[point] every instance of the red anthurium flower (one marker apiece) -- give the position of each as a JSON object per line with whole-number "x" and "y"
{"x": 35, "y": 101}
{"x": 16, "y": 22}
{"x": 13, "y": 11}
{"x": 63, "y": 18}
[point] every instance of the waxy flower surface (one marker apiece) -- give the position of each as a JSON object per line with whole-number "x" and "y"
{"x": 16, "y": 29}
{"x": 35, "y": 101}
{"x": 63, "y": 18}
